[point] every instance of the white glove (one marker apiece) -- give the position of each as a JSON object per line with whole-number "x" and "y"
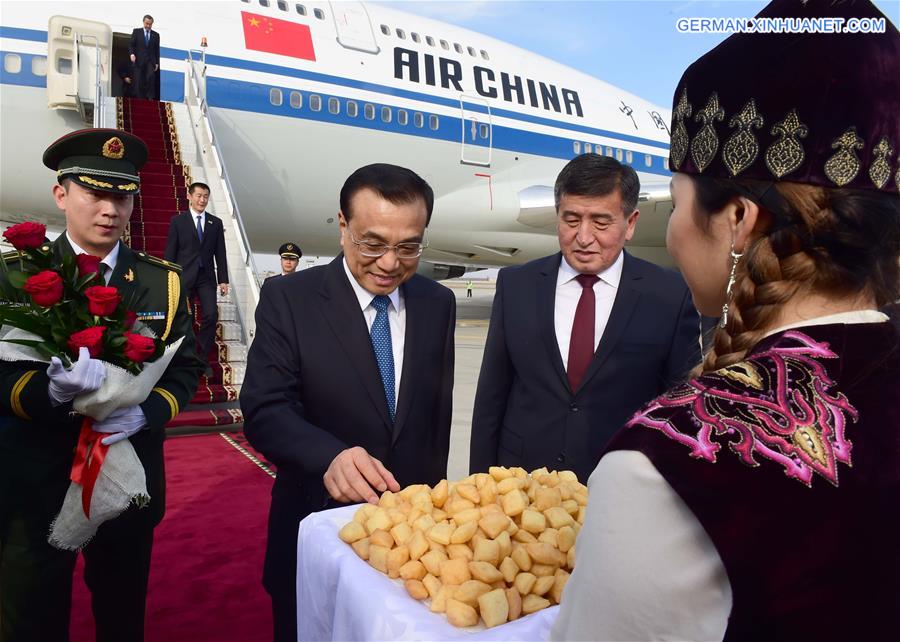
{"x": 122, "y": 423}
{"x": 85, "y": 375}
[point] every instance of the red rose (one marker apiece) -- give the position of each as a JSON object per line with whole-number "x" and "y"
{"x": 87, "y": 264}
{"x": 26, "y": 236}
{"x": 130, "y": 318}
{"x": 102, "y": 301}
{"x": 45, "y": 288}
{"x": 92, "y": 339}
{"x": 138, "y": 348}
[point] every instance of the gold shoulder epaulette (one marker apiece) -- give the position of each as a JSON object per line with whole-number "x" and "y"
{"x": 12, "y": 255}
{"x": 158, "y": 262}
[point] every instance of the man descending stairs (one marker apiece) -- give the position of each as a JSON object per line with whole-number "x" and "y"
{"x": 163, "y": 194}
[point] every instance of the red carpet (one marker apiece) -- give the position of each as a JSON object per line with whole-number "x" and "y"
{"x": 205, "y": 577}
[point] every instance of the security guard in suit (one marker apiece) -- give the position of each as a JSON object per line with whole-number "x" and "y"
{"x": 97, "y": 176}
{"x": 290, "y": 254}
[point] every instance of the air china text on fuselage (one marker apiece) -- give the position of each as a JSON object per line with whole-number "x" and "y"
{"x": 409, "y": 65}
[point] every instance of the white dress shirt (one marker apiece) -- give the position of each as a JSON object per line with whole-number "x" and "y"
{"x": 647, "y": 570}
{"x": 568, "y": 292}
{"x": 202, "y": 216}
{"x": 396, "y": 319}
{"x": 109, "y": 260}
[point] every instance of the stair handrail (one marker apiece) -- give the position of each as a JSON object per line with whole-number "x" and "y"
{"x": 200, "y": 93}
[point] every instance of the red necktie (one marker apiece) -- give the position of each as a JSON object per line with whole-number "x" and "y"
{"x": 581, "y": 345}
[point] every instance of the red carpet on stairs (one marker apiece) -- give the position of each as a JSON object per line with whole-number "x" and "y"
{"x": 164, "y": 194}
{"x": 205, "y": 577}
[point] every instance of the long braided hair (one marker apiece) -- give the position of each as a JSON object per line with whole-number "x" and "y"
{"x": 833, "y": 242}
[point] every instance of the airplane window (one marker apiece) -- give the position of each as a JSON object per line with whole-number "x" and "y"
{"x": 385, "y": 30}
{"x": 433, "y": 122}
{"x": 282, "y": 5}
{"x": 296, "y": 99}
{"x": 315, "y": 102}
{"x": 402, "y": 117}
{"x": 334, "y": 106}
{"x": 386, "y": 114}
{"x": 576, "y": 147}
{"x": 471, "y": 51}
{"x": 609, "y": 151}
{"x": 619, "y": 155}
{"x": 429, "y": 40}
{"x": 418, "y": 120}
{"x": 63, "y": 65}
{"x": 369, "y": 111}
{"x": 12, "y": 63}
{"x": 318, "y": 13}
{"x": 275, "y": 96}
{"x": 401, "y": 34}
{"x": 247, "y": 1}
{"x": 648, "y": 160}
{"x": 39, "y": 65}
{"x": 458, "y": 47}
{"x": 483, "y": 130}
{"x": 485, "y": 55}
{"x": 629, "y": 157}
{"x": 415, "y": 37}
{"x": 301, "y": 9}
{"x": 587, "y": 148}
{"x": 445, "y": 44}
{"x": 352, "y": 108}
{"x": 264, "y": 3}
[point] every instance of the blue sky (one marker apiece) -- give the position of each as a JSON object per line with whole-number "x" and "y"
{"x": 632, "y": 44}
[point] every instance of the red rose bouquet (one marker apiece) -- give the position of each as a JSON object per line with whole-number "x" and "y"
{"x": 67, "y": 305}
{"x": 51, "y": 308}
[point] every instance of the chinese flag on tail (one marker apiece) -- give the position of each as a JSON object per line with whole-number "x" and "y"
{"x": 282, "y": 37}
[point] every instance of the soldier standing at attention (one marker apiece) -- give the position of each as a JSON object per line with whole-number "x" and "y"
{"x": 97, "y": 174}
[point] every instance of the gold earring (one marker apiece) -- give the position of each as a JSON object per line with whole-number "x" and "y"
{"x": 735, "y": 257}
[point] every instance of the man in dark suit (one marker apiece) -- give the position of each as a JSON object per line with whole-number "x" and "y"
{"x": 579, "y": 340}
{"x": 143, "y": 50}
{"x": 97, "y": 175}
{"x": 349, "y": 380}
{"x": 196, "y": 238}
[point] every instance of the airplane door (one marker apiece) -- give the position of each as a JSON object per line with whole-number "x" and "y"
{"x": 72, "y": 48}
{"x": 477, "y": 132}
{"x": 353, "y": 27}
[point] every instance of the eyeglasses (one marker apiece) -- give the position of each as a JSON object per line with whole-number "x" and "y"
{"x": 374, "y": 250}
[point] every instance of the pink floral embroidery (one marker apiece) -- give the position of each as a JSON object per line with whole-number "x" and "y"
{"x": 780, "y": 404}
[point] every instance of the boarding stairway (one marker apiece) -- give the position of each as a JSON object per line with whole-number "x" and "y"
{"x": 183, "y": 148}
{"x": 164, "y": 181}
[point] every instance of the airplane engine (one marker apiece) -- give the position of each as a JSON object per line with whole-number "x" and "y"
{"x": 440, "y": 271}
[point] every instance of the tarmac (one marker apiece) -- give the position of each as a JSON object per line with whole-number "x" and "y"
{"x": 472, "y": 318}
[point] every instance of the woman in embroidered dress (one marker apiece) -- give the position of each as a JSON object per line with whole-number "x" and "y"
{"x": 761, "y": 500}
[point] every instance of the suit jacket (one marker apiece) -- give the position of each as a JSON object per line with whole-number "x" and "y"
{"x": 525, "y": 413}
{"x": 312, "y": 389}
{"x": 144, "y": 53}
{"x": 36, "y": 445}
{"x": 184, "y": 248}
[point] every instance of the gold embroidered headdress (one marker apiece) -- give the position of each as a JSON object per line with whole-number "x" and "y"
{"x": 816, "y": 108}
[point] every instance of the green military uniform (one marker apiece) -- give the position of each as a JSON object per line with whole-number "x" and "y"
{"x": 37, "y": 441}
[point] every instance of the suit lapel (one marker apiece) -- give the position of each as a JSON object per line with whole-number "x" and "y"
{"x": 123, "y": 277}
{"x": 623, "y": 307}
{"x": 417, "y": 321}
{"x": 545, "y": 300}
{"x": 341, "y": 309}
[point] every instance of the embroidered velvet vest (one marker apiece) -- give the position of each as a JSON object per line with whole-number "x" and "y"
{"x": 790, "y": 460}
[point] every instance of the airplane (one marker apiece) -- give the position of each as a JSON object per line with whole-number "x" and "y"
{"x": 301, "y": 93}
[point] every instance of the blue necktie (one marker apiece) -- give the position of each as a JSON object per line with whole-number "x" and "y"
{"x": 146, "y": 37}
{"x": 384, "y": 352}
{"x": 200, "y": 228}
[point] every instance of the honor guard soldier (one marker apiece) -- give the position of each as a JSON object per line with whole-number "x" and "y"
{"x": 290, "y": 258}
{"x": 97, "y": 174}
